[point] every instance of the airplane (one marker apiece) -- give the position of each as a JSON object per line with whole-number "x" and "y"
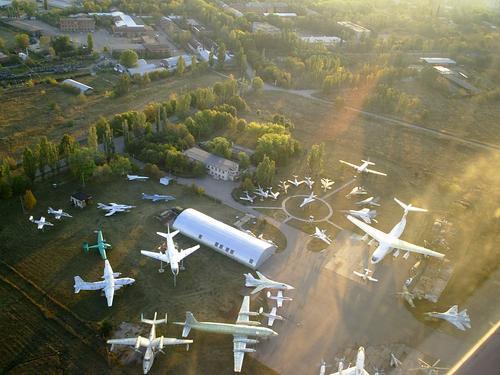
{"x": 311, "y": 198}
{"x": 407, "y": 295}
{"x": 158, "y": 197}
{"x": 271, "y": 316}
{"x": 261, "y": 237}
{"x": 309, "y": 182}
{"x": 58, "y": 213}
{"x": 262, "y": 193}
{"x": 365, "y": 275}
{"x": 273, "y": 195}
{"x": 133, "y": 177}
{"x": 358, "y": 190}
{"x": 283, "y": 185}
{"x": 364, "y": 214}
{"x": 264, "y": 283}
{"x": 321, "y": 235}
{"x": 322, "y": 367}
{"x": 394, "y": 362}
{"x": 460, "y": 319}
{"x": 295, "y": 182}
{"x": 247, "y": 197}
{"x": 363, "y": 168}
{"x": 279, "y": 298}
{"x": 241, "y": 331}
{"x": 152, "y": 344}
{"x": 358, "y": 369}
{"x": 390, "y": 241}
{"x": 40, "y": 223}
{"x": 370, "y": 201}
{"x": 113, "y": 208}
{"x": 110, "y": 283}
{"x": 326, "y": 184}
{"x": 101, "y": 245}
{"x": 431, "y": 369}
{"x": 171, "y": 256}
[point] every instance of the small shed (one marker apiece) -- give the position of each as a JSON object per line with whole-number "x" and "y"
{"x": 80, "y": 199}
{"x": 84, "y": 89}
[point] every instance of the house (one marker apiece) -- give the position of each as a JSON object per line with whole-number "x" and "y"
{"x": 327, "y": 40}
{"x": 171, "y": 63}
{"x": 143, "y": 67}
{"x": 80, "y": 199}
{"x": 218, "y": 167}
{"x": 438, "y": 61}
{"x": 84, "y": 89}
{"x": 281, "y": 14}
{"x": 77, "y": 24}
{"x": 265, "y": 28}
{"x": 125, "y": 25}
{"x": 358, "y": 30}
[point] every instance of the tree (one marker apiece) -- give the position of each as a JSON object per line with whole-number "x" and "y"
{"x": 29, "y": 163}
{"x": 29, "y": 200}
{"x": 53, "y": 157}
{"x": 62, "y": 44}
{"x": 315, "y": 159}
{"x": 122, "y": 87}
{"x": 264, "y": 173}
{"x": 194, "y": 65}
{"x": 22, "y": 40}
{"x": 181, "y": 66}
{"x": 45, "y": 4}
{"x": 120, "y": 165}
{"x": 67, "y": 146}
{"x": 82, "y": 163}
{"x": 43, "y": 155}
{"x": 220, "y": 146}
{"x": 221, "y": 56}
{"x": 129, "y": 58}
{"x": 257, "y": 84}
{"x": 211, "y": 59}
{"x": 247, "y": 184}
{"x": 109, "y": 145}
{"x": 92, "y": 141}
{"x": 244, "y": 160}
{"x": 2, "y": 44}
{"x": 183, "y": 105}
{"x": 90, "y": 43}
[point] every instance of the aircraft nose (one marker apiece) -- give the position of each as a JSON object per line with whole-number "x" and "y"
{"x": 374, "y": 260}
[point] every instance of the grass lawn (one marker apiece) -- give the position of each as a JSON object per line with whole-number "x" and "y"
{"x": 210, "y": 286}
{"x": 27, "y": 113}
{"x": 8, "y": 36}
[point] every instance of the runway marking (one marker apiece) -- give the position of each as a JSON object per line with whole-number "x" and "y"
{"x": 335, "y": 225}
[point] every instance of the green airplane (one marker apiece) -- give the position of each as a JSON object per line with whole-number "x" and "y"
{"x": 101, "y": 245}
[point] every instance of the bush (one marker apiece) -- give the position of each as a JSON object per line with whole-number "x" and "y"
{"x": 29, "y": 200}
{"x": 152, "y": 170}
{"x": 70, "y": 89}
{"x": 198, "y": 190}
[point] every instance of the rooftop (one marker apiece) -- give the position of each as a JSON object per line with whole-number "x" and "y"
{"x": 321, "y": 39}
{"x": 207, "y": 158}
{"x": 121, "y": 19}
{"x": 438, "y": 60}
{"x": 353, "y": 26}
{"x": 81, "y": 86}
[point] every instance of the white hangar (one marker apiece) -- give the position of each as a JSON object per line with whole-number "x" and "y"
{"x": 235, "y": 244}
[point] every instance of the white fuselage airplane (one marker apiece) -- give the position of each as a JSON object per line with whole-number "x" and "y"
{"x": 279, "y": 298}
{"x": 321, "y": 235}
{"x": 58, "y": 213}
{"x": 271, "y": 316}
{"x": 110, "y": 283}
{"x": 460, "y": 319}
{"x": 326, "y": 184}
{"x": 171, "y": 255}
{"x": 363, "y": 168}
{"x": 283, "y": 185}
{"x": 358, "y": 190}
{"x": 370, "y": 201}
{"x": 366, "y": 275}
{"x": 152, "y": 344}
{"x": 273, "y": 195}
{"x": 311, "y": 198}
{"x": 133, "y": 177}
{"x": 241, "y": 331}
{"x": 389, "y": 241}
{"x": 295, "y": 182}
{"x": 262, "y": 193}
{"x": 358, "y": 369}
{"x": 41, "y": 223}
{"x": 158, "y": 197}
{"x": 247, "y": 197}
{"x": 309, "y": 182}
{"x": 365, "y": 214}
{"x": 113, "y": 208}
{"x": 264, "y": 283}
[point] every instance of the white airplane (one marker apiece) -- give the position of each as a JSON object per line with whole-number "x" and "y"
{"x": 158, "y": 197}
{"x": 431, "y": 369}
{"x": 271, "y": 316}
{"x": 113, "y": 208}
{"x": 460, "y": 319}
{"x": 261, "y": 237}
{"x": 394, "y": 362}
{"x": 110, "y": 283}
{"x": 247, "y": 197}
{"x": 407, "y": 295}
{"x": 273, "y": 195}
{"x": 358, "y": 369}
{"x": 40, "y": 223}
{"x": 364, "y": 214}
{"x": 295, "y": 182}
{"x": 358, "y": 190}
{"x": 326, "y": 184}
{"x": 363, "y": 168}
{"x": 241, "y": 331}
{"x": 321, "y": 235}
{"x": 322, "y": 367}
{"x": 171, "y": 256}
{"x": 284, "y": 186}
{"x": 133, "y": 177}
{"x": 311, "y": 198}
{"x": 58, "y": 213}
{"x": 370, "y": 201}
{"x": 279, "y": 298}
{"x": 365, "y": 275}
{"x": 152, "y": 344}
{"x": 309, "y": 182}
{"x": 262, "y": 193}
{"x": 390, "y": 241}
{"x": 264, "y": 283}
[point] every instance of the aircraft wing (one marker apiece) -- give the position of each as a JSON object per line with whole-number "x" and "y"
{"x": 349, "y": 164}
{"x": 170, "y": 341}
{"x": 271, "y": 318}
{"x": 238, "y": 350}
{"x": 457, "y": 324}
{"x": 279, "y": 301}
{"x": 144, "y": 342}
{"x": 184, "y": 253}
{"x": 372, "y": 232}
{"x": 351, "y": 371}
{"x": 111, "y": 212}
{"x": 155, "y": 255}
{"x": 244, "y": 310}
{"x": 375, "y": 172}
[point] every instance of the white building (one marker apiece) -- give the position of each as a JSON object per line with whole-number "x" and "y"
{"x": 143, "y": 67}
{"x": 217, "y": 167}
{"x": 84, "y": 89}
{"x": 171, "y": 63}
{"x": 225, "y": 239}
{"x": 438, "y": 60}
{"x": 358, "y": 30}
{"x": 328, "y": 40}
{"x": 281, "y": 14}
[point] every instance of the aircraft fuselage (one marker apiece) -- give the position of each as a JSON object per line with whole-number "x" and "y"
{"x": 383, "y": 249}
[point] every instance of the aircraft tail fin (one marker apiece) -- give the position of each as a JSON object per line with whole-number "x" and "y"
{"x": 190, "y": 321}
{"x": 368, "y": 161}
{"x": 249, "y": 278}
{"x": 154, "y": 320}
{"x": 409, "y": 207}
{"x": 78, "y": 284}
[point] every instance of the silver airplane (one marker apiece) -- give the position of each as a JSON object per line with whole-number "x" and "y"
{"x": 157, "y": 197}
{"x": 363, "y": 168}
{"x": 58, "y": 213}
{"x": 41, "y": 222}
{"x": 311, "y": 198}
{"x": 152, "y": 344}
{"x": 326, "y": 184}
{"x": 247, "y": 197}
{"x": 284, "y": 186}
{"x": 273, "y": 195}
{"x": 365, "y": 275}
{"x": 460, "y": 319}
{"x": 271, "y": 316}
{"x": 264, "y": 283}
{"x": 407, "y": 295}
{"x": 279, "y": 298}
{"x": 309, "y": 182}
{"x": 358, "y": 369}
{"x": 429, "y": 369}
{"x": 321, "y": 235}
{"x": 370, "y": 201}
{"x": 133, "y": 177}
{"x": 295, "y": 182}
{"x": 364, "y": 214}
{"x": 113, "y": 208}
{"x": 262, "y": 193}
{"x": 358, "y": 190}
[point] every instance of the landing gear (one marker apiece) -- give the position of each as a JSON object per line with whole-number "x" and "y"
{"x": 161, "y": 270}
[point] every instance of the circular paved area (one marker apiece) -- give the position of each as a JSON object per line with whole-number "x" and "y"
{"x": 307, "y": 220}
